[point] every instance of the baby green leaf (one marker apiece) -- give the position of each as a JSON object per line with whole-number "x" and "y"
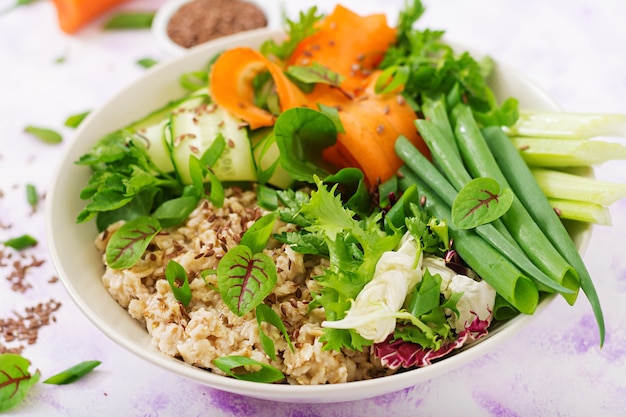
{"x": 426, "y": 295}
{"x": 244, "y": 278}
{"x": 15, "y": 380}
{"x": 147, "y": 62}
{"x": 266, "y": 373}
{"x": 257, "y": 236}
{"x": 20, "y": 242}
{"x": 130, "y": 241}
{"x": 72, "y": 374}
{"x": 315, "y": 73}
{"x": 179, "y": 282}
{"x": 264, "y": 313}
{"x": 480, "y": 201}
{"x": 48, "y": 136}
{"x": 32, "y": 196}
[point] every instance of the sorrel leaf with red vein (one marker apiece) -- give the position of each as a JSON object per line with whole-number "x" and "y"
{"x": 130, "y": 241}
{"x": 480, "y": 201}
{"x": 15, "y": 380}
{"x": 245, "y": 278}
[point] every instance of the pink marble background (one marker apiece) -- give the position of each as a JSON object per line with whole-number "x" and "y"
{"x": 574, "y": 49}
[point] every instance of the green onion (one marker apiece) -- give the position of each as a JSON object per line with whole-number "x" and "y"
{"x": 45, "y": 135}
{"x": 130, "y": 20}
{"x": 32, "y": 196}
{"x": 76, "y": 119}
{"x": 20, "y": 242}
{"x": 72, "y": 374}
{"x": 523, "y": 184}
{"x": 147, "y": 62}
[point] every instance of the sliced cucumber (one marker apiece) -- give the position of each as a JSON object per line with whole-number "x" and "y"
{"x": 194, "y": 127}
{"x": 266, "y": 153}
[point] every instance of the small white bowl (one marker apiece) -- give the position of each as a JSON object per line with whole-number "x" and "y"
{"x": 79, "y": 264}
{"x": 271, "y": 8}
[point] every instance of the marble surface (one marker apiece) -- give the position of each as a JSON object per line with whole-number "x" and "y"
{"x": 574, "y": 49}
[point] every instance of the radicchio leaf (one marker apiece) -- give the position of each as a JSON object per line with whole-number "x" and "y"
{"x": 399, "y": 353}
{"x": 245, "y": 278}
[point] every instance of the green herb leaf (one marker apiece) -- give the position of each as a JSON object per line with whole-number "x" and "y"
{"x": 244, "y": 278}
{"x": 15, "y": 380}
{"x": 266, "y": 373}
{"x": 315, "y": 73}
{"x": 130, "y": 241}
{"x": 75, "y": 120}
{"x": 265, "y": 313}
{"x": 147, "y": 62}
{"x": 425, "y": 297}
{"x": 45, "y": 135}
{"x": 173, "y": 212}
{"x": 179, "y": 282}
{"x": 302, "y": 134}
{"x": 32, "y": 196}
{"x": 130, "y": 20}
{"x": 480, "y": 201}
{"x": 257, "y": 236}
{"x": 72, "y": 374}
{"x": 20, "y": 242}
{"x": 296, "y": 31}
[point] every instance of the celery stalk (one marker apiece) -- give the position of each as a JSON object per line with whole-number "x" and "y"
{"x": 546, "y": 152}
{"x": 568, "y": 125}
{"x": 565, "y": 186}
{"x": 581, "y": 211}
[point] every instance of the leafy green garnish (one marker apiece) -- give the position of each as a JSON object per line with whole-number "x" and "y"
{"x": 15, "y": 380}
{"x": 31, "y": 196}
{"x": 46, "y": 135}
{"x": 20, "y": 242}
{"x": 130, "y": 241}
{"x": 313, "y": 74}
{"x": 245, "y": 275}
{"x": 265, "y": 373}
{"x": 264, "y": 313}
{"x": 72, "y": 374}
{"x": 147, "y": 62}
{"x": 179, "y": 282}
{"x": 76, "y": 119}
{"x": 130, "y": 20}
{"x": 480, "y": 201}
{"x": 301, "y": 135}
{"x": 296, "y": 31}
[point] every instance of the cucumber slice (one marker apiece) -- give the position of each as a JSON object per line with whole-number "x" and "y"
{"x": 266, "y": 153}
{"x": 194, "y": 127}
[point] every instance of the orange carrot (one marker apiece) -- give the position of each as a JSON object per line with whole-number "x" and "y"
{"x": 231, "y": 85}
{"x": 74, "y": 14}
{"x": 347, "y": 44}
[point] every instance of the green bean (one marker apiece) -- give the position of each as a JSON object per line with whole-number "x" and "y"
{"x": 523, "y": 184}
{"x": 481, "y": 163}
{"x": 422, "y": 168}
{"x": 516, "y": 288}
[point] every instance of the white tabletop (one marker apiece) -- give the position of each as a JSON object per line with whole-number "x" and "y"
{"x": 574, "y": 49}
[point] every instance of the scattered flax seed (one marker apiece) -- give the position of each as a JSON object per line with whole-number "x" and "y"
{"x": 20, "y": 267}
{"x": 400, "y": 100}
{"x": 422, "y": 201}
{"x": 194, "y": 149}
{"x": 524, "y": 147}
{"x": 24, "y": 327}
{"x": 53, "y": 279}
{"x": 558, "y": 211}
{"x": 386, "y": 110}
{"x": 242, "y": 125}
{"x": 380, "y": 129}
{"x": 231, "y": 143}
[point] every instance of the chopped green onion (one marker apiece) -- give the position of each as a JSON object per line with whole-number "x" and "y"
{"x": 147, "y": 62}
{"x": 32, "y": 196}
{"x": 72, "y": 374}
{"x": 130, "y": 20}
{"x": 20, "y": 242}
{"x": 76, "y": 119}
{"x": 265, "y": 373}
{"x": 45, "y": 135}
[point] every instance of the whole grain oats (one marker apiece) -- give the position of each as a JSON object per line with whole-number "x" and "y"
{"x": 206, "y": 329}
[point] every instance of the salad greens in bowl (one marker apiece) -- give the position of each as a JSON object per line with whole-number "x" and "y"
{"x": 306, "y": 216}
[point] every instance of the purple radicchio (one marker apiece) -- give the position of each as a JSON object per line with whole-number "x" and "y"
{"x": 400, "y": 353}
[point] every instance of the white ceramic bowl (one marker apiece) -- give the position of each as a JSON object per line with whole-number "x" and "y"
{"x": 80, "y": 268}
{"x": 271, "y": 8}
